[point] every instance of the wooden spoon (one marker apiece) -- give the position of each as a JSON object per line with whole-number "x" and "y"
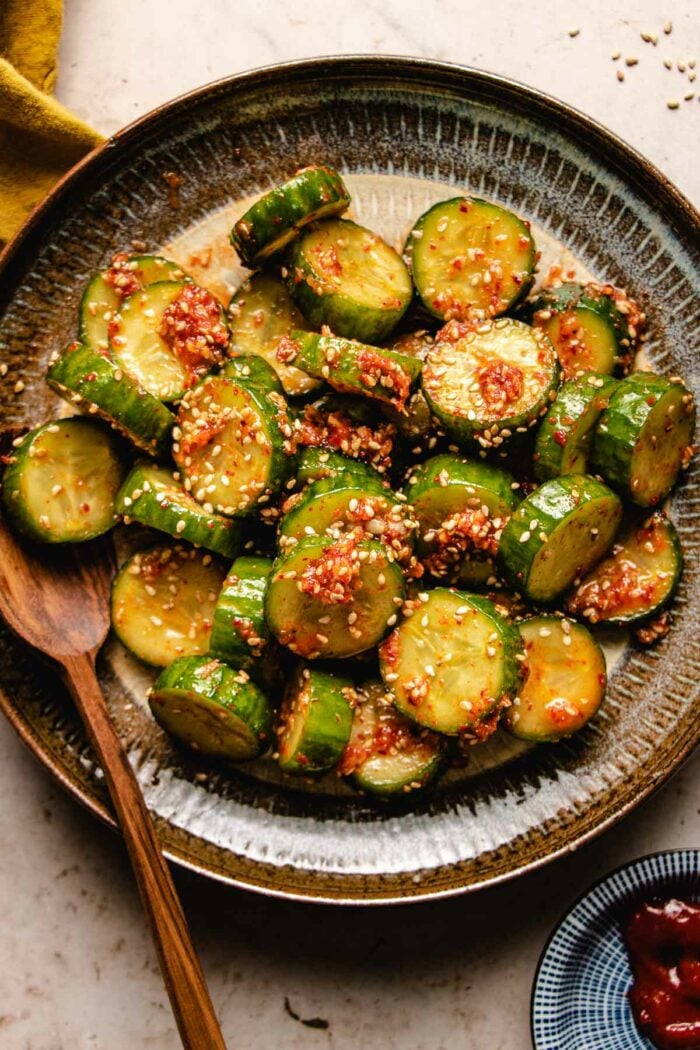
{"x": 57, "y": 599}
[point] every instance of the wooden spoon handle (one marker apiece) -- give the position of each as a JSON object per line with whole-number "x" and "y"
{"x": 184, "y": 979}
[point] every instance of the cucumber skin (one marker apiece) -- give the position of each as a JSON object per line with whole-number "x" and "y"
{"x": 573, "y": 399}
{"x": 357, "y": 486}
{"x": 84, "y": 378}
{"x": 388, "y": 789}
{"x": 547, "y": 504}
{"x": 241, "y": 599}
{"x": 462, "y": 473}
{"x": 157, "y": 511}
{"x": 11, "y": 483}
{"x": 254, "y": 371}
{"x": 336, "y": 310}
{"x": 626, "y": 413}
{"x": 420, "y": 224}
{"x": 245, "y": 701}
{"x": 311, "y": 467}
{"x": 327, "y": 725}
{"x": 344, "y": 374}
{"x": 572, "y": 295}
{"x": 291, "y": 205}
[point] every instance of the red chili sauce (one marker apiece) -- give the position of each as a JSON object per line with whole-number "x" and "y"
{"x": 663, "y": 941}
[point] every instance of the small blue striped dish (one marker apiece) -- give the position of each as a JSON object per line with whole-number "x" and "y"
{"x": 579, "y": 996}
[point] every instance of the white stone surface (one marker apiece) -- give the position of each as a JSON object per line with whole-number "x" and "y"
{"x": 77, "y": 970}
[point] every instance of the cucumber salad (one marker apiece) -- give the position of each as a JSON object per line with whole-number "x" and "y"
{"x": 384, "y": 498}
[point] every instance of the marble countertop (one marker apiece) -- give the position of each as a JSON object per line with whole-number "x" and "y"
{"x": 78, "y": 969}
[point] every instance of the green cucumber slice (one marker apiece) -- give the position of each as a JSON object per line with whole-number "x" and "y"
{"x": 260, "y": 313}
{"x": 486, "y": 383}
{"x": 349, "y": 425}
{"x": 470, "y": 258}
{"x": 557, "y": 534}
{"x": 315, "y": 464}
{"x": 644, "y": 437}
{"x": 239, "y": 633}
{"x": 94, "y": 384}
{"x": 154, "y": 497}
{"x": 461, "y": 507}
{"x": 453, "y": 663}
{"x": 163, "y": 602}
{"x": 62, "y": 480}
{"x": 387, "y": 754}
{"x": 415, "y": 420}
{"x": 565, "y": 435}
{"x": 212, "y": 708}
{"x": 351, "y": 503}
{"x": 276, "y": 218}
{"x": 638, "y": 577}
{"x": 104, "y": 294}
{"x": 333, "y": 598}
{"x": 353, "y": 368}
{"x": 232, "y": 444}
{"x": 565, "y": 683}
{"x": 167, "y": 335}
{"x": 253, "y": 370}
{"x": 315, "y": 721}
{"x": 348, "y": 278}
{"x": 592, "y": 327}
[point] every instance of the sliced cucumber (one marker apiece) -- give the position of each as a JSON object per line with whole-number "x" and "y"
{"x": 260, "y": 313}
{"x": 212, "y": 708}
{"x": 61, "y": 482}
{"x": 349, "y": 425}
{"x": 333, "y": 598}
{"x": 94, "y": 384}
{"x": 461, "y": 507}
{"x": 163, "y": 602}
{"x": 314, "y": 464}
{"x": 415, "y": 420}
{"x": 489, "y": 382}
{"x": 645, "y": 436}
{"x": 592, "y": 327}
{"x": 233, "y": 445}
{"x": 315, "y": 721}
{"x": 353, "y": 368}
{"x": 253, "y": 370}
{"x": 557, "y": 534}
{"x": 104, "y": 294}
{"x": 348, "y": 278}
{"x": 565, "y": 435}
{"x": 565, "y": 683}
{"x": 387, "y": 754}
{"x": 636, "y": 579}
{"x": 239, "y": 633}
{"x": 276, "y": 218}
{"x": 453, "y": 663}
{"x": 470, "y": 258}
{"x": 167, "y": 335}
{"x": 153, "y": 496}
{"x": 351, "y": 503}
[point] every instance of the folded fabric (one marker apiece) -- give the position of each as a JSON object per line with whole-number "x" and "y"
{"x": 39, "y": 138}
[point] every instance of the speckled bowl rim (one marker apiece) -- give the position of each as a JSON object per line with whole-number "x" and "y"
{"x": 609, "y": 876}
{"x": 427, "y": 74}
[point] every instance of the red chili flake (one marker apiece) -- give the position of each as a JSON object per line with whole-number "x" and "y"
{"x": 334, "y": 576}
{"x": 501, "y": 385}
{"x": 287, "y": 349}
{"x": 560, "y": 437}
{"x": 462, "y": 533}
{"x": 379, "y": 369}
{"x": 328, "y": 261}
{"x": 193, "y": 329}
{"x": 336, "y": 430}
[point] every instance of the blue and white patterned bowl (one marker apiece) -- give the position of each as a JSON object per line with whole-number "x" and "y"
{"x": 579, "y": 996}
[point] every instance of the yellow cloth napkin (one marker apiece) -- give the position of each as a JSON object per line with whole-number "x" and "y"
{"x": 39, "y": 138}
